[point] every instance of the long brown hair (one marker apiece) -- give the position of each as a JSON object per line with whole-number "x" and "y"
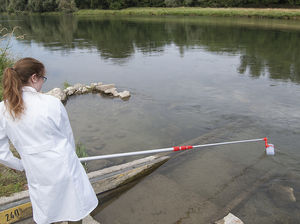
{"x": 14, "y": 78}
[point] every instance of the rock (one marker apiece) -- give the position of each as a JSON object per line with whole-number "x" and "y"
{"x": 229, "y": 219}
{"x": 110, "y": 91}
{"x": 84, "y": 90}
{"x": 65, "y": 91}
{"x": 102, "y": 88}
{"x": 78, "y": 86}
{"x": 125, "y": 94}
{"x": 115, "y": 93}
{"x": 282, "y": 195}
{"x": 93, "y": 85}
{"x": 58, "y": 93}
{"x": 70, "y": 90}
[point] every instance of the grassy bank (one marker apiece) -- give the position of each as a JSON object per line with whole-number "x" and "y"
{"x": 277, "y": 13}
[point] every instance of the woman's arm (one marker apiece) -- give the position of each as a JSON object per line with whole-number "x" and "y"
{"x": 6, "y": 156}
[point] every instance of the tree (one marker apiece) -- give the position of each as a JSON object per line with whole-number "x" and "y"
{"x": 16, "y": 5}
{"x": 49, "y": 5}
{"x": 66, "y": 5}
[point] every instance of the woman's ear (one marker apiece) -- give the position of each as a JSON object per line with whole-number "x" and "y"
{"x": 34, "y": 78}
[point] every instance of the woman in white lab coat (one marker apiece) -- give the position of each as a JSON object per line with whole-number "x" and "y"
{"x": 38, "y": 126}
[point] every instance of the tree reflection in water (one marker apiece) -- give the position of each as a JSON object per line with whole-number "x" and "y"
{"x": 261, "y": 46}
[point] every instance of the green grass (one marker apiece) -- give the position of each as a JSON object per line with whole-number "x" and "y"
{"x": 11, "y": 181}
{"x": 81, "y": 152}
{"x": 277, "y": 13}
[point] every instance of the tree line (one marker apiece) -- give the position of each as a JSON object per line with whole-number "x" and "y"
{"x": 73, "y": 5}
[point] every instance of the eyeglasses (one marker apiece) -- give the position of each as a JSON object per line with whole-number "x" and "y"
{"x": 44, "y": 78}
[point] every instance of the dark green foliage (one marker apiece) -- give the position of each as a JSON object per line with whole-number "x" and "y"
{"x": 294, "y": 2}
{"x": 49, "y": 5}
{"x": 3, "y": 5}
{"x": 66, "y": 5}
{"x": 173, "y": 3}
{"x": 16, "y": 5}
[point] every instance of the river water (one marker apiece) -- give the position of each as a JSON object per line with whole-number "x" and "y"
{"x": 192, "y": 79}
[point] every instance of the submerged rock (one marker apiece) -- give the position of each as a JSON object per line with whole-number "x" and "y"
{"x": 282, "y": 195}
{"x": 229, "y": 219}
{"x": 58, "y": 93}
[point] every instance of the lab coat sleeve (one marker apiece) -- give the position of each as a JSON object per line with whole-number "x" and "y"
{"x": 65, "y": 126}
{"x": 6, "y": 156}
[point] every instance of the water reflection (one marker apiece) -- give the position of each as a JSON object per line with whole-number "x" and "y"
{"x": 262, "y": 50}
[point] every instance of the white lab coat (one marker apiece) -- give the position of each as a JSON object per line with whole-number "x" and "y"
{"x": 58, "y": 186}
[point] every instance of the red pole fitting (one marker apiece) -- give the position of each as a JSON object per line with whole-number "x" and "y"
{"x": 266, "y": 142}
{"x": 176, "y": 148}
{"x": 184, "y": 147}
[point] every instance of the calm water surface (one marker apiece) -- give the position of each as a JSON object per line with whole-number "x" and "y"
{"x": 196, "y": 79}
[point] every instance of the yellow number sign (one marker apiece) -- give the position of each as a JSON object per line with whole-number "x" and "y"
{"x": 15, "y": 214}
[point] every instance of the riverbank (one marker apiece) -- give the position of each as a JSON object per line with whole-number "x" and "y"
{"x": 275, "y": 13}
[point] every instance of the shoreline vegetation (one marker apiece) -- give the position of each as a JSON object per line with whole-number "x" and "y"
{"x": 273, "y": 13}
{"x": 267, "y": 13}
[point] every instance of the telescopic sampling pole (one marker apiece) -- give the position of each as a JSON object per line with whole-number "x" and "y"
{"x": 269, "y": 149}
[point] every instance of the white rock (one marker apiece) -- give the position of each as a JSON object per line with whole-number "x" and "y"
{"x": 124, "y": 94}
{"x": 93, "y": 85}
{"x": 84, "y": 90}
{"x": 70, "y": 90}
{"x": 110, "y": 91}
{"x": 115, "y": 93}
{"x": 102, "y": 88}
{"x": 58, "y": 93}
{"x": 78, "y": 86}
{"x": 229, "y": 219}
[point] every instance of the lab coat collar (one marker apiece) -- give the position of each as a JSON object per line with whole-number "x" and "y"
{"x": 28, "y": 89}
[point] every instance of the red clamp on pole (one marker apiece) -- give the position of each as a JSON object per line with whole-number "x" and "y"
{"x": 266, "y": 142}
{"x": 176, "y": 148}
{"x": 183, "y": 147}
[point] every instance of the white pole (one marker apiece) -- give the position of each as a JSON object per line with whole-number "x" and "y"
{"x": 179, "y": 148}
